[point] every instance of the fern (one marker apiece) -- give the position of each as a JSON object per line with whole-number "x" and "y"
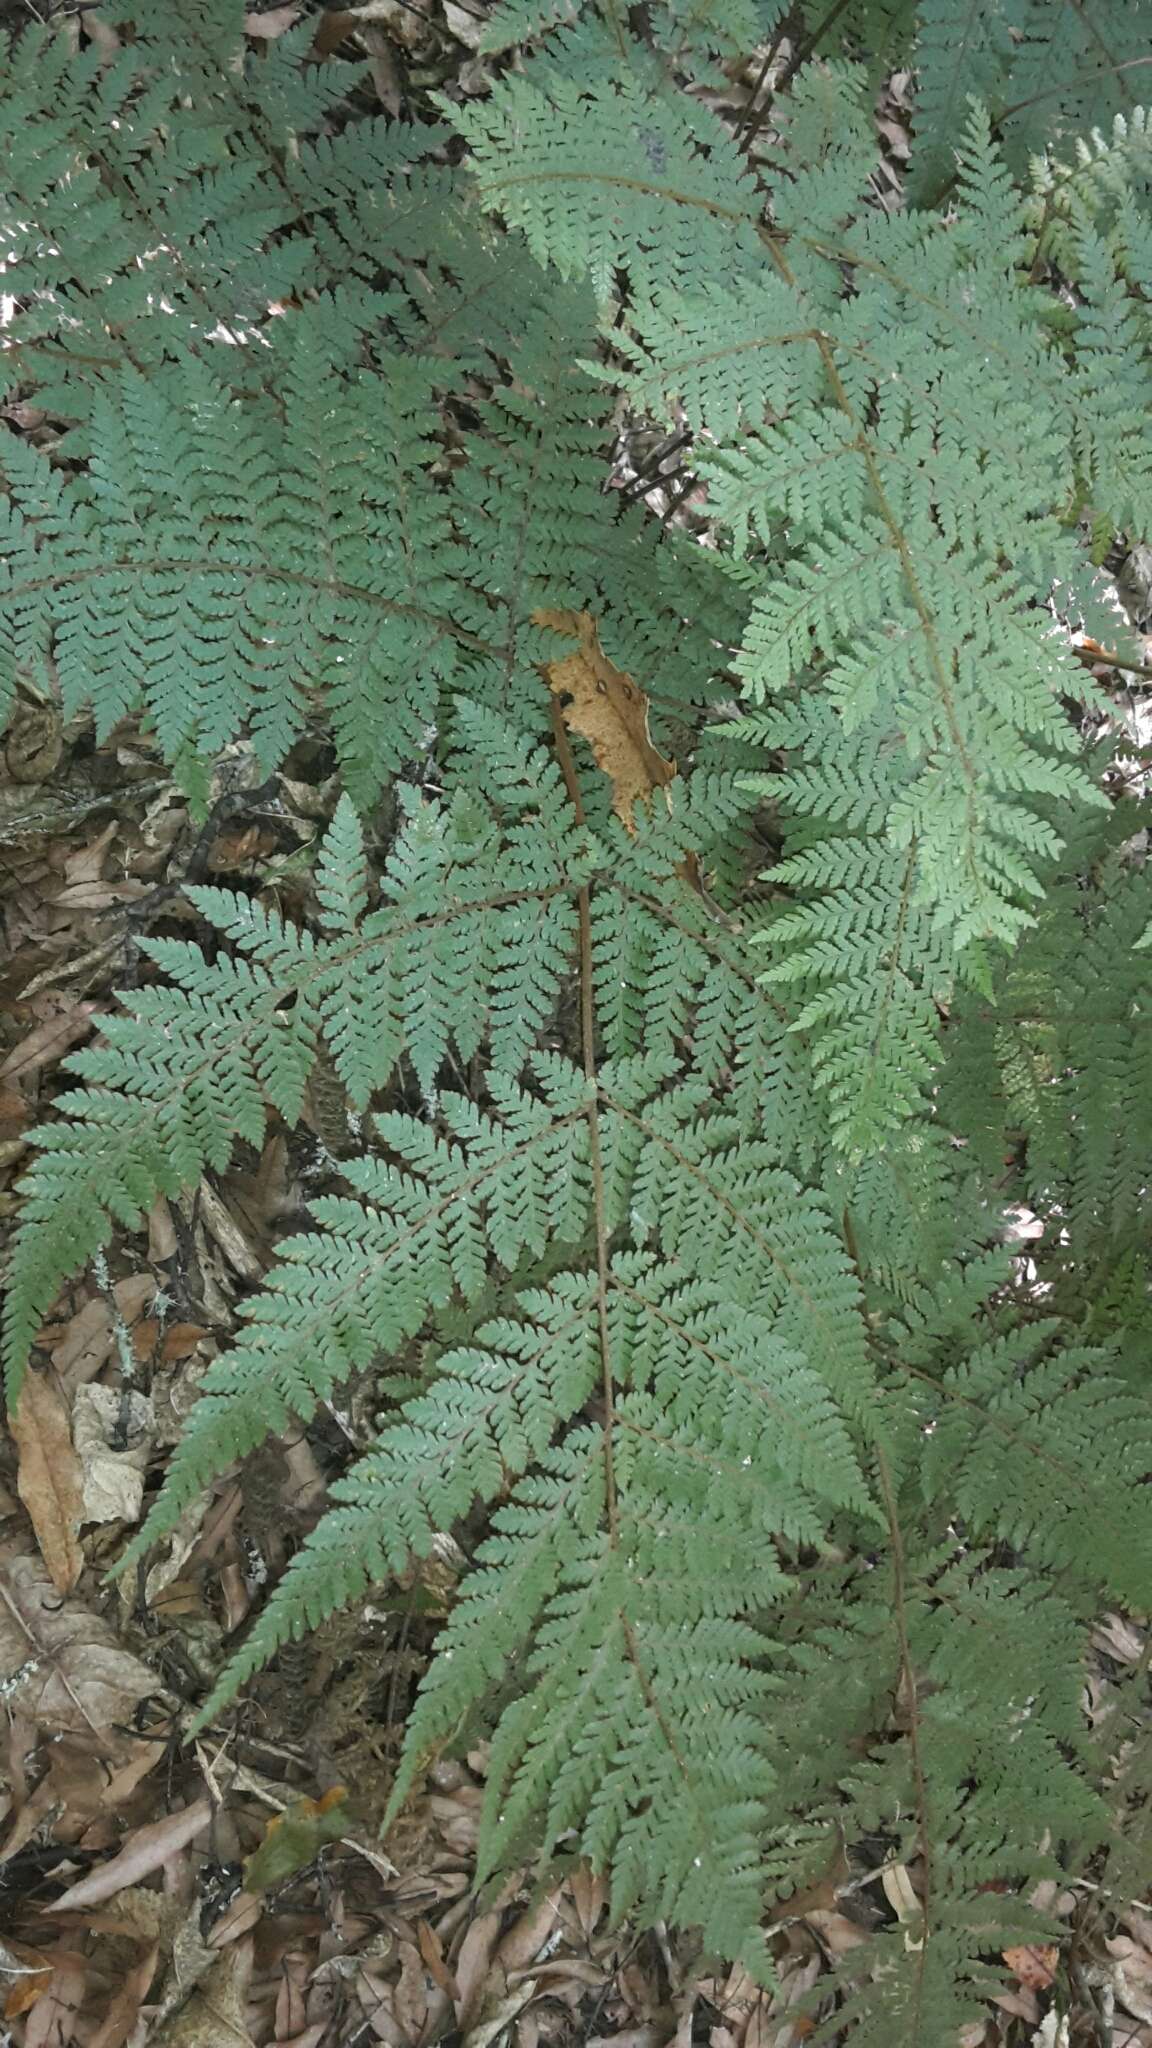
{"x": 702, "y": 1043}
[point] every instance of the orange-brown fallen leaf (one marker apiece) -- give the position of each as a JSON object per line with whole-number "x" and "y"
{"x": 49, "y": 1478}
{"x": 27, "y": 1972}
{"x": 610, "y": 711}
{"x": 1034, "y": 1967}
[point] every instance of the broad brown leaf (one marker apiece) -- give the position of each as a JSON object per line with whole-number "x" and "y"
{"x": 49, "y": 1478}
{"x": 61, "y": 1663}
{"x": 610, "y": 711}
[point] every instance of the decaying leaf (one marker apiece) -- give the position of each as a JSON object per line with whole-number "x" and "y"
{"x": 113, "y": 1435}
{"x": 58, "y": 1661}
{"x": 1035, "y": 1967}
{"x": 213, "y": 2016}
{"x": 48, "y": 1478}
{"x": 610, "y": 711}
{"x": 145, "y": 1850}
{"x": 49, "y": 1041}
{"x": 26, "y": 1974}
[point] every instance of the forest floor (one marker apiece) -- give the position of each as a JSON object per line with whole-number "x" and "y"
{"x": 162, "y": 1893}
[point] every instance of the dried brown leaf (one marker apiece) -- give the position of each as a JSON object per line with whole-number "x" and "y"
{"x": 33, "y": 743}
{"x": 49, "y": 1478}
{"x": 214, "y": 2015}
{"x": 58, "y": 1661}
{"x": 87, "y": 863}
{"x": 472, "y": 1966}
{"x": 527, "y": 1936}
{"x": 610, "y": 711}
{"x": 146, "y": 1849}
{"x": 498, "y": 2017}
{"x": 49, "y": 1041}
{"x": 433, "y": 1955}
{"x": 26, "y": 1972}
{"x": 52, "y": 2020}
{"x": 124, "y": 2011}
{"x": 82, "y": 1347}
{"x": 1035, "y": 1967}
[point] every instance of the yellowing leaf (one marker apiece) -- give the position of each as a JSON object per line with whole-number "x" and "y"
{"x": 295, "y": 1837}
{"x": 610, "y": 711}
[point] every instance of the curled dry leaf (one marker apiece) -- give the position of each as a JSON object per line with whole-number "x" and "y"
{"x": 59, "y": 1662}
{"x": 610, "y": 711}
{"x": 49, "y": 1478}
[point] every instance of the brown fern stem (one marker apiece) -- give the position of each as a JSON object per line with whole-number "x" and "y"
{"x": 595, "y": 1152}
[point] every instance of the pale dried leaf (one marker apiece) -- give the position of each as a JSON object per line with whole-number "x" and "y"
{"x": 270, "y": 22}
{"x": 52, "y": 2020}
{"x": 87, "y": 863}
{"x": 161, "y": 1230}
{"x": 101, "y": 33}
{"x": 472, "y": 1966}
{"x": 901, "y": 1896}
{"x": 464, "y": 24}
{"x": 528, "y": 1935}
{"x": 1117, "y": 1637}
{"x": 60, "y": 1662}
{"x": 837, "y": 1934}
{"x": 494, "y": 2022}
{"x": 124, "y": 2011}
{"x": 228, "y": 1235}
{"x": 1131, "y": 1976}
{"x": 49, "y": 1478}
{"x": 1022, "y": 2004}
{"x": 146, "y": 1849}
{"x": 112, "y": 1480}
{"x": 214, "y": 2014}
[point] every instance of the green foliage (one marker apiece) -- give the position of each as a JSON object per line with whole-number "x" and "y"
{"x": 745, "y": 1220}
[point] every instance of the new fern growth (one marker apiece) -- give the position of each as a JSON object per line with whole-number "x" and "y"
{"x": 691, "y": 1127}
